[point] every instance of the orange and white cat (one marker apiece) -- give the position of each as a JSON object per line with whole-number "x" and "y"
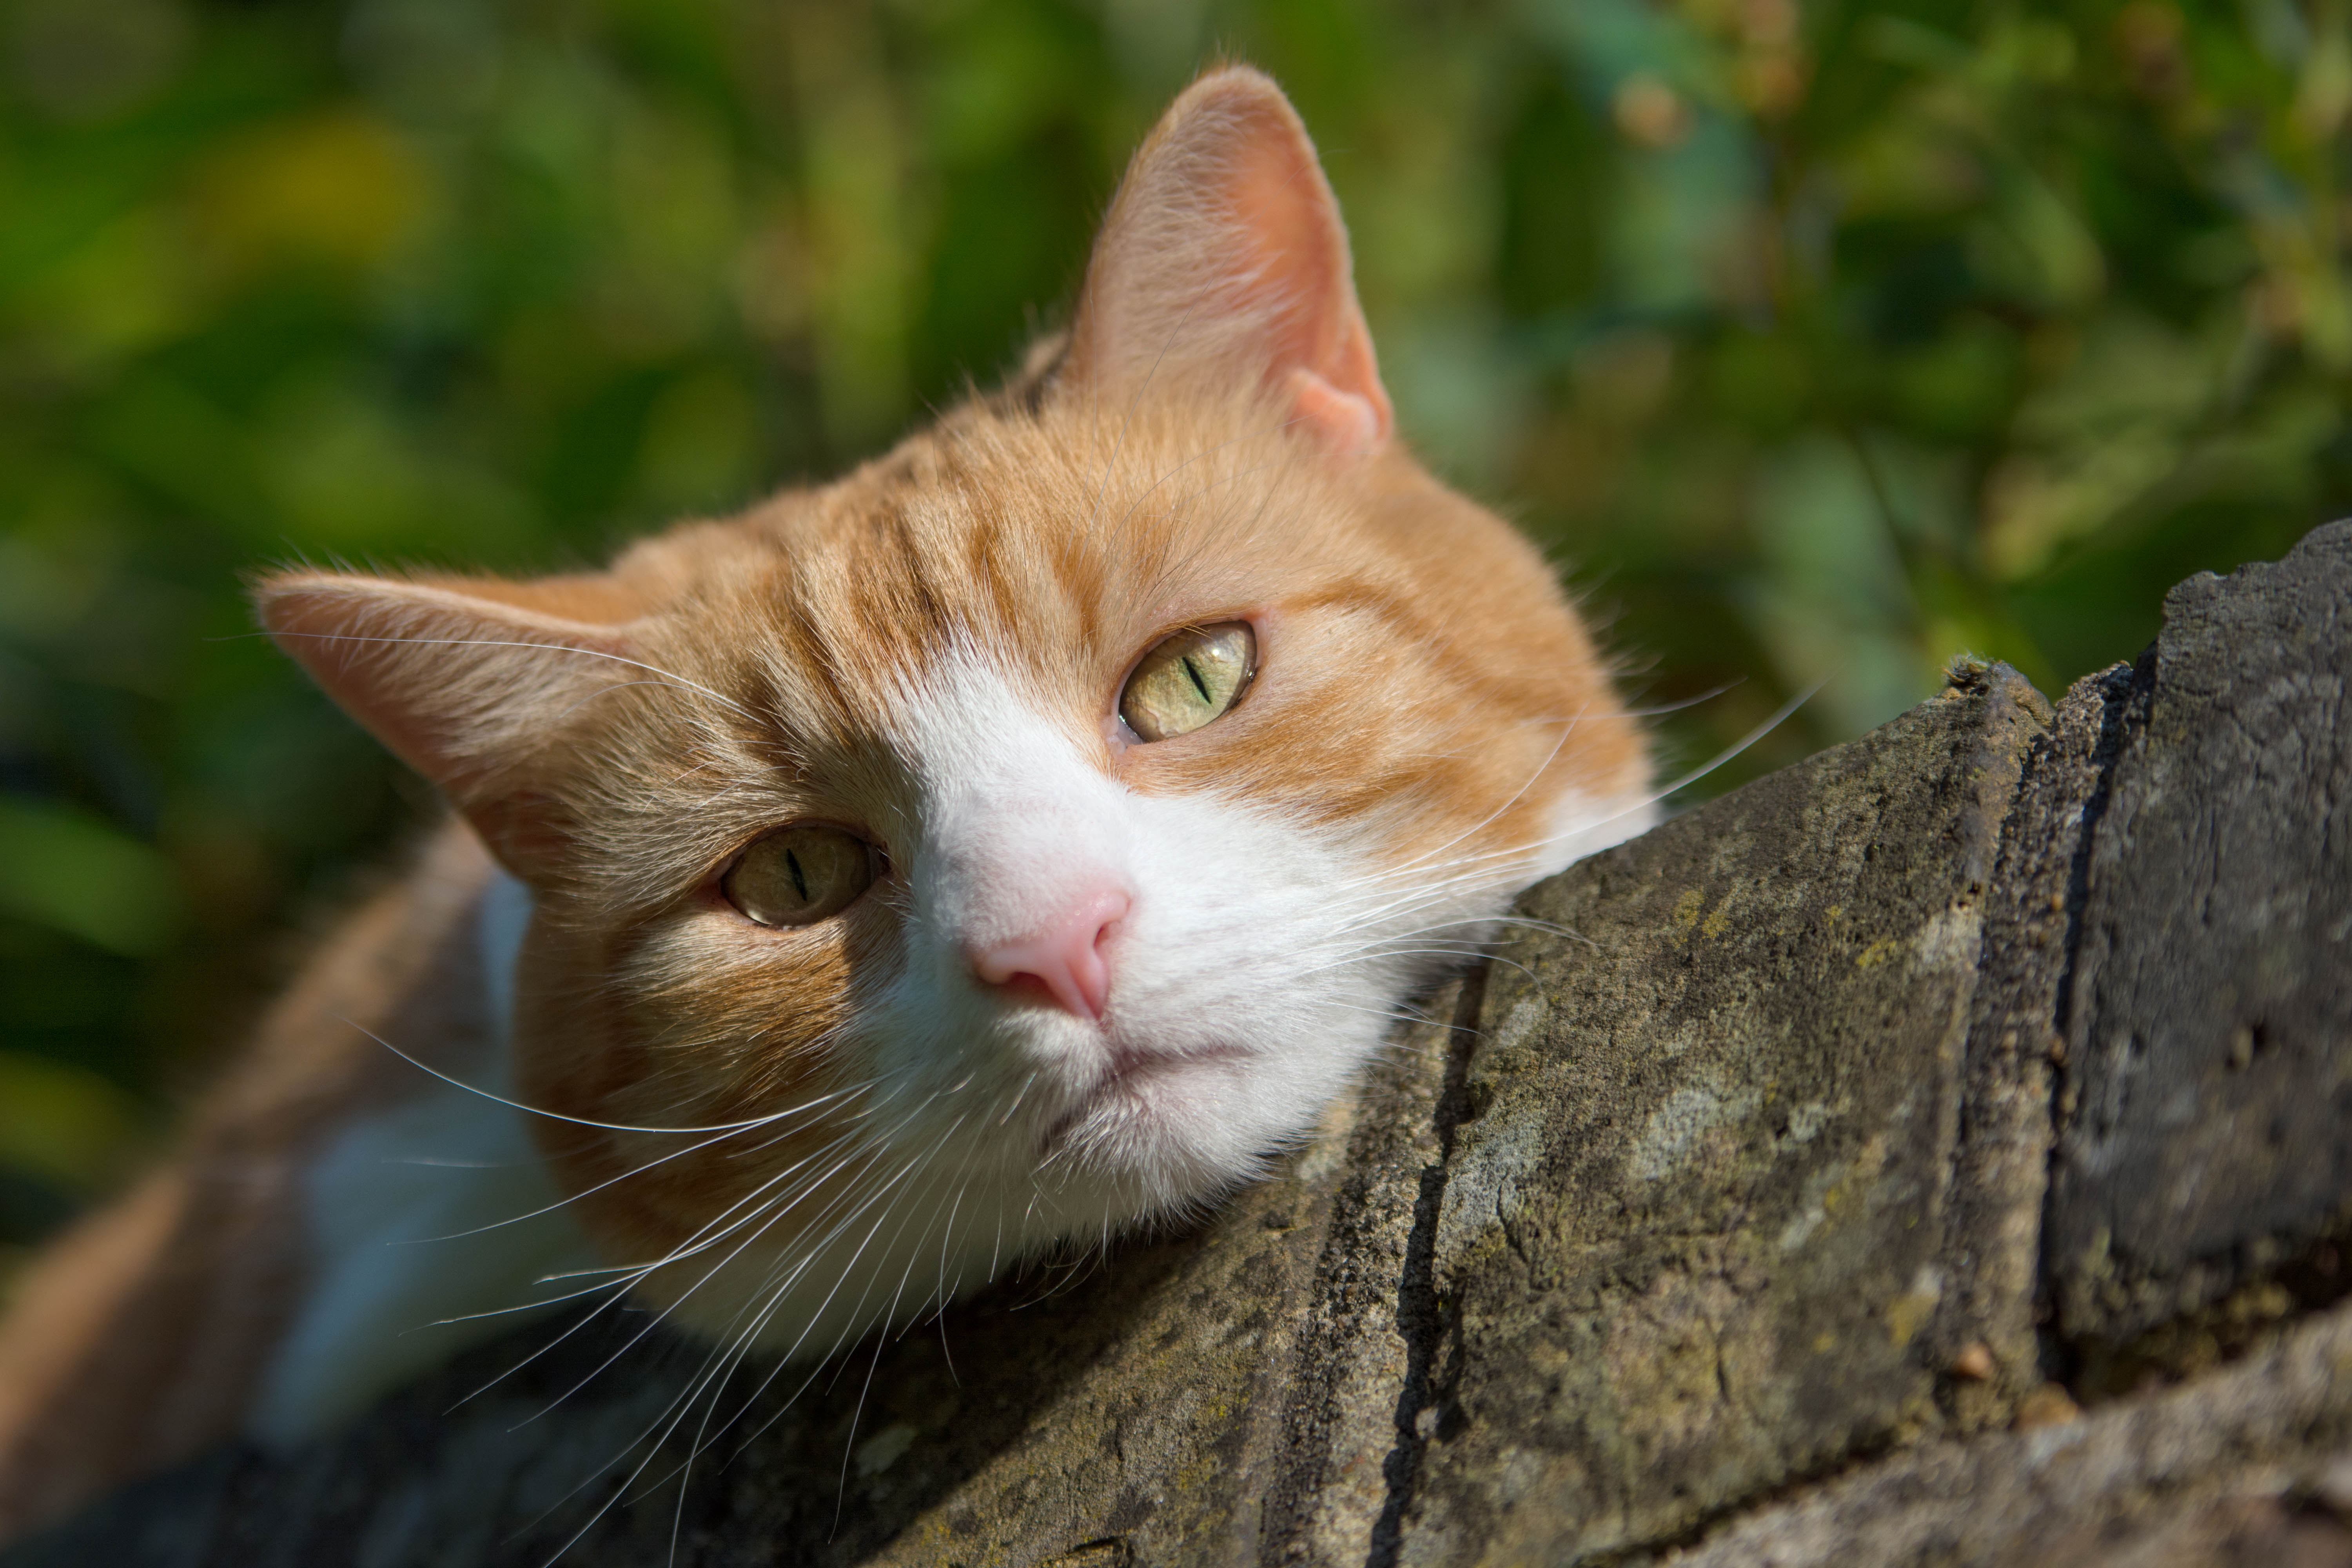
{"x": 1016, "y": 840}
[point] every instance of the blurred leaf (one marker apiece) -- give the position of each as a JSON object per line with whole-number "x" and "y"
{"x": 2031, "y": 246}
{"x": 64, "y": 1124}
{"x": 2094, "y": 438}
{"x": 1833, "y": 602}
{"x": 72, "y": 873}
{"x": 339, "y": 188}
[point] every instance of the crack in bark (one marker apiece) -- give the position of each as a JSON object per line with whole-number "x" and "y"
{"x": 1422, "y": 1317}
{"x": 2125, "y": 691}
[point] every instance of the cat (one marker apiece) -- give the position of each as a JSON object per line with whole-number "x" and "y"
{"x": 1023, "y": 838}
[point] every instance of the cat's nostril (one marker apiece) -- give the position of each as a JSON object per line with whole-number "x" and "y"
{"x": 1065, "y": 961}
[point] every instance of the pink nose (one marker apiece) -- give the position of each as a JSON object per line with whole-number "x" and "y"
{"x": 1066, "y": 960}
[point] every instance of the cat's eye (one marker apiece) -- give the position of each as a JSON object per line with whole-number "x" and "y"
{"x": 1189, "y": 679}
{"x": 799, "y": 875}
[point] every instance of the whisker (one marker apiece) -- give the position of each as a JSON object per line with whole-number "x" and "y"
{"x": 615, "y": 1181}
{"x": 1780, "y": 716}
{"x": 549, "y": 1115}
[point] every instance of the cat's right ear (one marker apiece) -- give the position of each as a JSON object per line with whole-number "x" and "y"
{"x": 469, "y": 691}
{"x": 1223, "y": 263}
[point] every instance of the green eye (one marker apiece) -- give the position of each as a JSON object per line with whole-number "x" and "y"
{"x": 1189, "y": 679}
{"x": 799, "y": 875}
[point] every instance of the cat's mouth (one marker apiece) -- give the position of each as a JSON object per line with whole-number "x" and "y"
{"x": 1127, "y": 1080}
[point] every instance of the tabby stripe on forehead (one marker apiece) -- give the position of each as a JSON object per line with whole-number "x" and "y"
{"x": 808, "y": 647}
{"x": 1080, "y": 578}
{"x": 986, "y": 565}
{"x": 929, "y": 601}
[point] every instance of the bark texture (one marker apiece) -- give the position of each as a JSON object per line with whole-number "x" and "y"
{"x": 1933, "y": 1153}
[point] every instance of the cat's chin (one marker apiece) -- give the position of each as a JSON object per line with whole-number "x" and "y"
{"x": 1160, "y": 1132}
{"x": 1137, "y": 1089}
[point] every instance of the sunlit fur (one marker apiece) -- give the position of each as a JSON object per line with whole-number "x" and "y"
{"x": 932, "y": 651}
{"x": 784, "y": 1137}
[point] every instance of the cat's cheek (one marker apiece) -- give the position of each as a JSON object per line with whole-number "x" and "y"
{"x": 748, "y": 994}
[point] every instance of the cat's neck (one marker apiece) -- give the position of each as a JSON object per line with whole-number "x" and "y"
{"x": 432, "y": 1224}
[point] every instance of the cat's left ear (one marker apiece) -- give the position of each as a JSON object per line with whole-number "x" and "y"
{"x": 1223, "y": 263}
{"x": 475, "y": 686}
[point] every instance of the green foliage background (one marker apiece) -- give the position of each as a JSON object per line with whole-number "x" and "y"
{"x": 1819, "y": 342}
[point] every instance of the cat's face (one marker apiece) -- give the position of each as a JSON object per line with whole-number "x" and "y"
{"x": 1030, "y": 832}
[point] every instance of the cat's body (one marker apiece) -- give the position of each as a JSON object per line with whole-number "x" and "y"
{"x": 1018, "y": 839}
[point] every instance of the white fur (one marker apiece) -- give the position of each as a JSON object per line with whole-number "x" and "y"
{"x": 382, "y": 1291}
{"x": 1581, "y": 826}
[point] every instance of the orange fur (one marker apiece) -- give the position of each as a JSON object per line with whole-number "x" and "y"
{"x": 1210, "y": 443}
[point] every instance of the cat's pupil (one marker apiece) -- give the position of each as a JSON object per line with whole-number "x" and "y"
{"x": 799, "y": 875}
{"x": 1189, "y": 679}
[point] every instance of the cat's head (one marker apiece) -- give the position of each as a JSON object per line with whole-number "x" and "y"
{"x": 1029, "y": 832}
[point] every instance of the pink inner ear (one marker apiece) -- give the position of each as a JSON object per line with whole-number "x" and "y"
{"x": 1351, "y": 424}
{"x": 1295, "y": 258}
